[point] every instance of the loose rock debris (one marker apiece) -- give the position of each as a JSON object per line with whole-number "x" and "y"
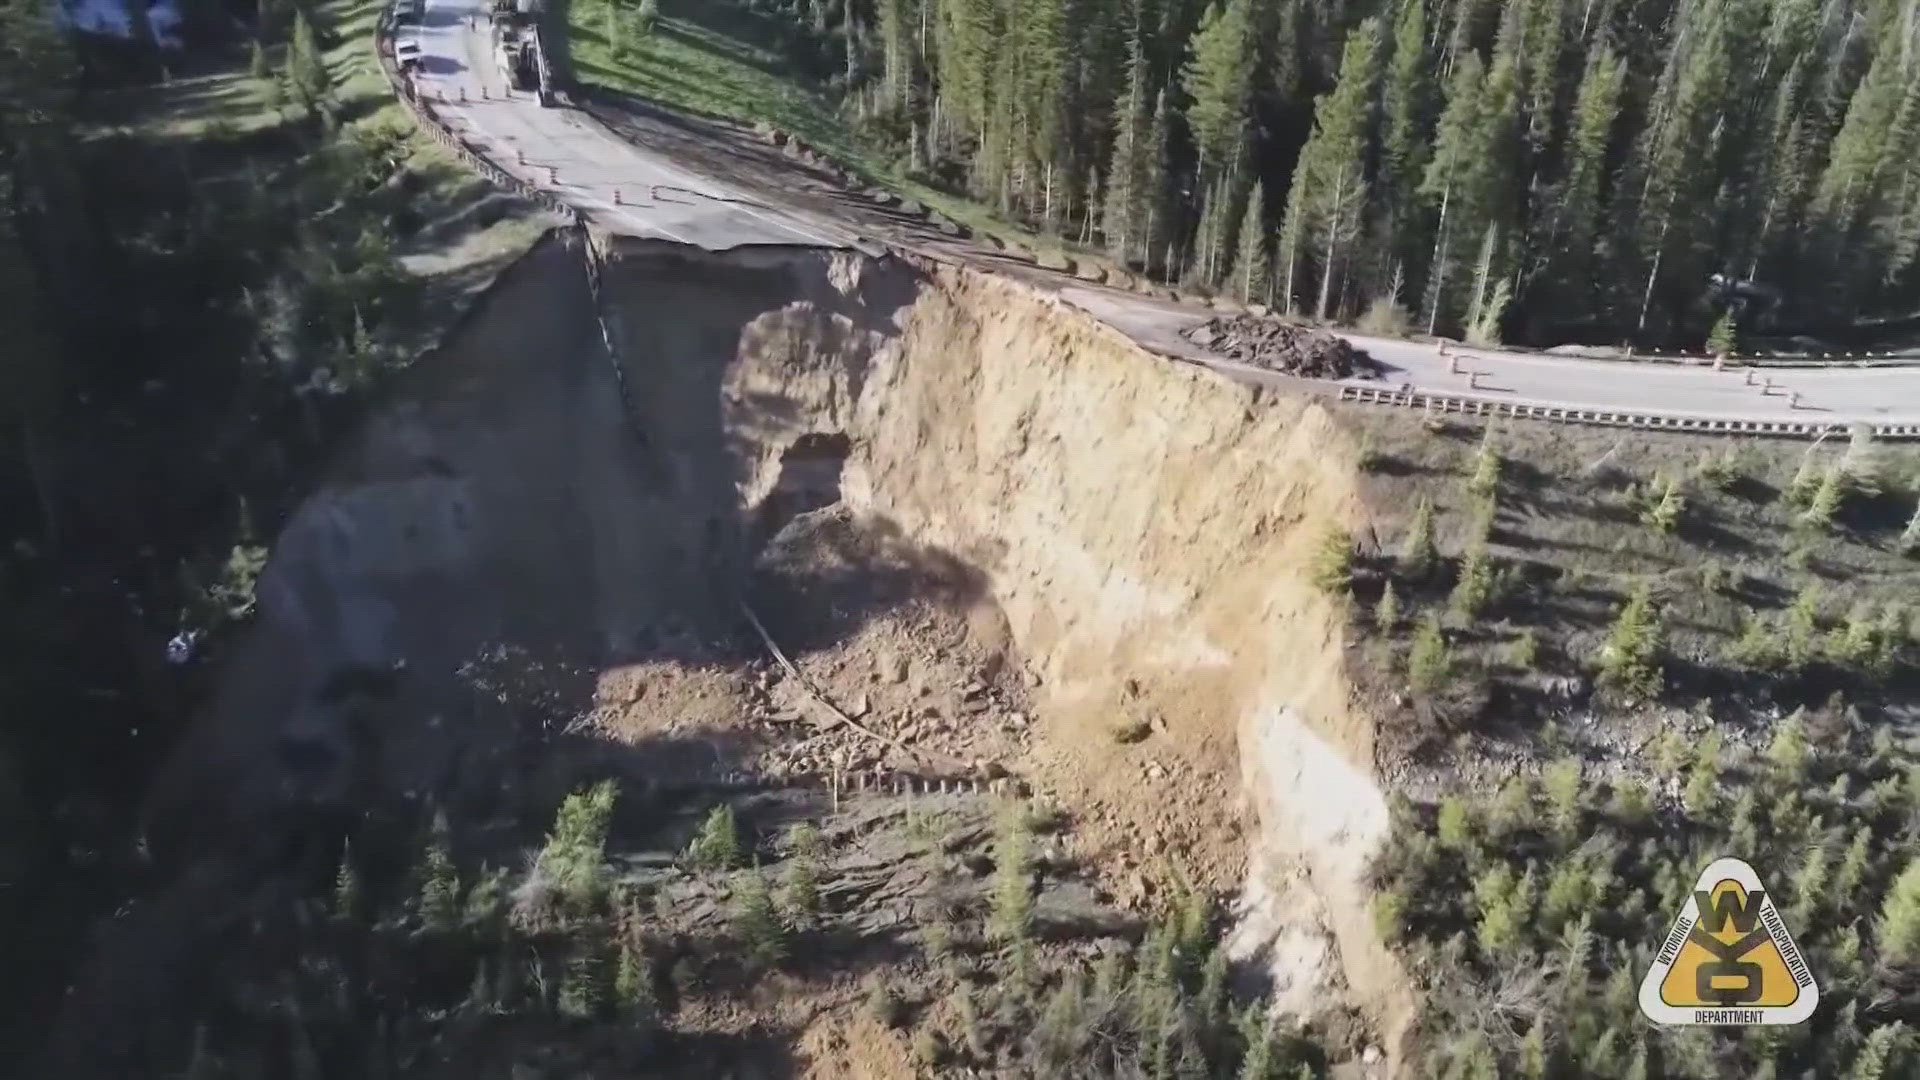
{"x": 1282, "y": 346}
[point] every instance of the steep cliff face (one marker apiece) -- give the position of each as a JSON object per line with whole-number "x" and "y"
{"x": 1145, "y": 530}
{"x": 1135, "y": 534}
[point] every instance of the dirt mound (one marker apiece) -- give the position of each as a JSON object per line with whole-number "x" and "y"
{"x": 1281, "y": 346}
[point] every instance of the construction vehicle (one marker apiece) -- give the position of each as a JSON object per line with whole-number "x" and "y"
{"x": 516, "y": 45}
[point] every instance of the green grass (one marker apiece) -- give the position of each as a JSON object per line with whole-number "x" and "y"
{"x": 713, "y": 65}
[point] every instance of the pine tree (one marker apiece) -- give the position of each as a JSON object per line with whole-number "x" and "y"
{"x": 1722, "y": 340}
{"x": 1218, "y": 77}
{"x": 346, "y": 885}
{"x": 1788, "y": 750}
{"x": 572, "y": 859}
{"x": 1570, "y": 237}
{"x": 803, "y": 874}
{"x": 717, "y": 846}
{"x": 439, "y": 896}
{"x": 306, "y": 68}
{"x": 1330, "y": 171}
{"x": 1826, "y": 499}
{"x": 1130, "y": 168}
{"x": 633, "y": 981}
{"x": 1475, "y": 585}
{"x": 757, "y": 924}
{"x": 1664, "y": 515}
{"x": 1427, "y": 660}
{"x": 1485, "y": 480}
{"x": 1333, "y": 561}
{"x": 1629, "y": 660}
{"x": 1250, "y": 262}
{"x": 1404, "y": 104}
{"x": 1450, "y": 172}
{"x": 1417, "y": 552}
{"x": 583, "y": 992}
{"x": 896, "y": 44}
{"x": 1898, "y": 931}
{"x": 1012, "y": 878}
{"x": 1386, "y": 613}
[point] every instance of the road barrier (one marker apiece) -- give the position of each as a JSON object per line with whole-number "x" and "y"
{"x": 429, "y": 122}
{"x": 1444, "y": 404}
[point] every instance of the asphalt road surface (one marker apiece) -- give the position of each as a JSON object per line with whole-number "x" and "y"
{"x": 628, "y": 188}
{"x": 621, "y": 186}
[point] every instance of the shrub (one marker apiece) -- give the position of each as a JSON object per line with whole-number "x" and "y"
{"x": 1523, "y": 651}
{"x": 885, "y": 1004}
{"x": 1384, "y": 317}
{"x": 1910, "y": 536}
{"x": 717, "y": 845}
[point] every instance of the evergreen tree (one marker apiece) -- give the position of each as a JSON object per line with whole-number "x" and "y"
{"x": 1629, "y": 660}
{"x": 307, "y": 68}
{"x": 1417, "y": 552}
{"x": 1218, "y": 77}
{"x": 1012, "y": 884}
{"x": 1427, "y": 661}
{"x": 717, "y": 846}
{"x": 1330, "y": 172}
{"x": 757, "y": 924}
{"x": 1570, "y": 237}
{"x": 1405, "y": 107}
{"x": 1450, "y": 172}
{"x": 1250, "y": 261}
{"x": 1130, "y": 168}
{"x": 1386, "y": 613}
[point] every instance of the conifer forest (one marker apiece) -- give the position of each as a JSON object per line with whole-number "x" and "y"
{"x": 1530, "y": 170}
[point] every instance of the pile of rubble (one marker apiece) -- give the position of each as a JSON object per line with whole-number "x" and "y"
{"x": 1282, "y": 346}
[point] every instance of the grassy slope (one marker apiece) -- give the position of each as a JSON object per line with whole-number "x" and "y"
{"x": 715, "y": 65}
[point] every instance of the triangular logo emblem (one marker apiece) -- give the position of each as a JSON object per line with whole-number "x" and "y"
{"x": 1728, "y": 958}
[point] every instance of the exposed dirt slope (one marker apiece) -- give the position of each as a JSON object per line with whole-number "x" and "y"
{"x": 1143, "y": 528}
{"x": 1092, "y": 564}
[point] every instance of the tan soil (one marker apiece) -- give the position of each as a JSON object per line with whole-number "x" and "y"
{"x": 1052, "y": 555}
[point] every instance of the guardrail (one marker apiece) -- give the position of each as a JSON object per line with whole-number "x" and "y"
{"x": 423, "y": 116}
{"x": 1706, "y": 425}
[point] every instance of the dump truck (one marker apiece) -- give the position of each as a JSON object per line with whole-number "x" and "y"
{"x": 514, "y": 51}
{"x": 516, "y": 44}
